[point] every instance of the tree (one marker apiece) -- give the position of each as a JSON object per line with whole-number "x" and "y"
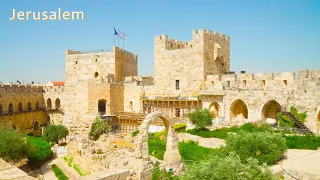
{"x": 201, "y": 118}
{"x": 99, "y": 126}
{"x": 13, "y": 146}
{"x": 229, "y": 167}
{"x": 54, "y": 133}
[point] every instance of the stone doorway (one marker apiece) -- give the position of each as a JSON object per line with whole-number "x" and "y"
{"x": 270, "y": 110}
{"x": 214, "y": 109}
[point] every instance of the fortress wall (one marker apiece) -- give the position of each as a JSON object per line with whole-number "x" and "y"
{"x": 20, "y": 89}
{"x": 126, "y": 64}
{"x": 132, "y": 94}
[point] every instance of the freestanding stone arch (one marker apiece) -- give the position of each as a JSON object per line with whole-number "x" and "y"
{"x": 238, "y": 110}
{"x": 215, "y": 109}
{"x": 270, "y": 110}
{"x": 172, "y": 155}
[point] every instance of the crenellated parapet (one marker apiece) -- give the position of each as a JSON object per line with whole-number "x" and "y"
{"x": 20, "y": 88}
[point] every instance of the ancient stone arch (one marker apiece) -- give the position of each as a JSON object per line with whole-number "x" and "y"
{"x": 36, "y": 125}
{"x": 1, "y": 109}
{"x": 57, "y": 103}
{"x": 215, "y": 109}
{"x": 270, "y": 110}
{"x": 10, "y": 108}
{"x": 49, "y": 103}
{"x": 238, "y": 110}
{"x": 37, "y": 105}
{"x": 172, "y": 155}
{"x": 20, "y": 107}
{"x": 29, "y": 106}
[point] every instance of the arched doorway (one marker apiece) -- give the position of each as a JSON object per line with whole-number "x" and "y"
{"x": 1, "y": 109}
{"x": 214, "y": 109}
{"x": 37, "y": 105}
{"x": 29, "y": 106}
{"x": 48, "y": 122}
{"x": 238, "y": 110}
{"x": 10, "y": 108}
{"x": 49, "y": 103}
{"x": 172, "y": 154}
{"x": 57, "y": 103}
{"x": 20, "y": 107}
{"x": 102, "y": 106}
{"x": 36, "y": 125}
{"x": 270, "y": 110}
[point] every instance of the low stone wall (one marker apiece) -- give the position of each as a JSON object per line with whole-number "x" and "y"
{"x": 8, "y": 172}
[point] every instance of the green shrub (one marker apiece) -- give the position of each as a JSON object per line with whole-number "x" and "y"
{"x": 285, "y": 121}
{"x": 156, "y": 146}
{"x": 230, "y": 167}
{"x": 303, "y": 142}
{"x": 263, "y": 146}
{"x": 201, "y": 118}
{"x": 39, "y": 151}
{"x": 54, "y": 133}
{"x": 158, "y": 174}
{"x": 181, "y": 127}
{"x": 13, "y": 147}
{"x": 301, "y": 116}
{"x": 98, "y": 128}
{"x": 134, "y": 133}
{"x": 58, "y": 173}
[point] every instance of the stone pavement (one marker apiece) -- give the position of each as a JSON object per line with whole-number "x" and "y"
{"x": 300, "y": 164}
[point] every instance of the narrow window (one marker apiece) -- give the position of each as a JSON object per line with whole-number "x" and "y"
{"x": 228, "y": 83}
{"x": 263, "y": 82}
{"x": 212, "y": 82}
{"x": 244, "y": 83}
{"x": 177, "y": 85}
{"x": 178, "y": 46}
{"x": 177, "y": 112}
{"x": 96, "y": 74}
{"x": 131, "y": 105}
{"x": 285, "y": 82}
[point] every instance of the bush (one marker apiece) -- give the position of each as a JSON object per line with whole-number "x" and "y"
{"x": 201, "y": 118}
{"x": 156, "y": 146}
{"x": 134, "y": 133}
{"x": 303, "y": 142}
{"x": 263, "y": 146}
{"x": 230, "y": 167}
{"x": 58, "y": 173}
{"x": 54, "y": 133}
{"x": 98, "y": 128}
{"x": 13, "y": 147}
{"x": 301, "y": 116}
{"x": 181, "y": 127}
{"x": 39, "y": 152}
{"x": 285, "y": 121}
{"x": 158, "y": 174}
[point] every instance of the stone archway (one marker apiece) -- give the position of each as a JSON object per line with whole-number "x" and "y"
{"x": 172, "y": 155}
{"x": 214, "y": 109}
{"x": 238, "y": 110}
{"x": 270, "y": 110}
{"x": 36, "y": 126}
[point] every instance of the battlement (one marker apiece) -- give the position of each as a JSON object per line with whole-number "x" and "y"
{"x": 20, "y": 88}
{"x": 54, "y": 89}
{"x": 200, "y": 34}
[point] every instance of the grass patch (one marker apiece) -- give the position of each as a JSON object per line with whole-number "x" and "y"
{"x": 58, "y": 173}
{"x": 40, "y": 150}
{"x": 156, "y": 146}
{"x": 303, "y": 142}
{"x": 75, "y": 166}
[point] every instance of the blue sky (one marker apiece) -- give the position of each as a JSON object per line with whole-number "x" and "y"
{"x": 266, "y": 36}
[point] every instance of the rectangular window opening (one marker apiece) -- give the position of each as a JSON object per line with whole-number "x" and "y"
{"x": 177, "y": 85}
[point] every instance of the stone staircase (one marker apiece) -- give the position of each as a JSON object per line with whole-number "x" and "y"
{"x": 301, "y": 126}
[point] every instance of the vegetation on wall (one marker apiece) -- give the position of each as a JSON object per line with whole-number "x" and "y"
{"x": 71, "y": 163}
{"x": 285, "y": 121}
{"x": 201, "y": 118}
{"x": 59, "y": 173}
{"x": 301, "y": 116}
{"x": 13, "y": 147}
{"x": 135, "y": 133}
{"x": 54, "y": 133}
{"x": 99, "y": 127}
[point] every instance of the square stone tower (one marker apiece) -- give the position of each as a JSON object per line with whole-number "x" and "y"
{"x": 182, "y": 67}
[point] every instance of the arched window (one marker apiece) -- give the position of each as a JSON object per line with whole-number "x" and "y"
{"x": 37, "y": 105}
{"x": 36, "y": 125}
{"x": 96, "y": 74}
{"x": 102, "y": 106}
{"x": 20, "y": 108}
{"x": 29, "y": 106}
{"x": 10, "y": 108}
{"x": 57, "y": 103}
{"x": 1, "y": 109}
{"x": 49, "y": 103}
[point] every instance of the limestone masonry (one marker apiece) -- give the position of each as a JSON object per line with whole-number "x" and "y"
{"x": 187, "y": 75}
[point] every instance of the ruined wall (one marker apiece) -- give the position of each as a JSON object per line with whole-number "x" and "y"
{"x": 27, "y": 107}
